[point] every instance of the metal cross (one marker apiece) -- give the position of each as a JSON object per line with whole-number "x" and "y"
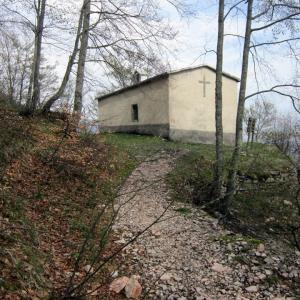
{"x": 204, "y": 82}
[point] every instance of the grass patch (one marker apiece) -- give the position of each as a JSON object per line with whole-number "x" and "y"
{"x": 265, "y": 202}
{"x": 183, "y": 210}
{"x": 272, "y": 280}
{"x": 233, "y": 238}
{"x": 140, "y": 147}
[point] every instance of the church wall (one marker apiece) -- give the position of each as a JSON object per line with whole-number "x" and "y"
{"x": 192, "y": 116}
{"x": 115, "y": 112}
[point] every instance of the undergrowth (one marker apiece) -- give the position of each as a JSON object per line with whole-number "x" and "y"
{"x": 265, "y": 203}
{"x": 56, "y": 194}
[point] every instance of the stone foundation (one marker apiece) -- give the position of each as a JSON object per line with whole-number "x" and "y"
{"x": 156, "y": 130}
{"x": 163, "y": 130}
{"x": 199, "y": 137}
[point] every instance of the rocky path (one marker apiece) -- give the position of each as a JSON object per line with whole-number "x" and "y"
{"x": 187, "y": 255}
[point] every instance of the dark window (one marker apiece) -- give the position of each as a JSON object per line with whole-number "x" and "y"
{"x": 135, "y": 112}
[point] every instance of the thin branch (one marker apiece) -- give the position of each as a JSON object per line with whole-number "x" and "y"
{"x": 289, "y": 17}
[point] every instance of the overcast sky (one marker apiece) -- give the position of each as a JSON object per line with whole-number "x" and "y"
{"x": 198, "y": 35}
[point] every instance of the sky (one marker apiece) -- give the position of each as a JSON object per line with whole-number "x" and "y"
{"x": 194, "y": 45}
{"x": 197, "y": 36}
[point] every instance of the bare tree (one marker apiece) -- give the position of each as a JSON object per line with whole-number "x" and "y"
{"x": 51, "y": 23}
{"x": 60, "y": 91}
{"x": 34, "y": 99}
{"x": 285, "y": 135}
{"x": 270, "y": 15}
{"x": 218, "y": 103}
{"x": 264, "y": 112}
{"x": 111, "y": 35}
{"x": 120, "y": 70}
{"x": 231, "y": 185}
{"x": 82, "y": 57}
{"x": 13, "y": 66}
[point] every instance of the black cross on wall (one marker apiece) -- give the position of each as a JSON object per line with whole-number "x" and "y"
{"x": 204, "y": 82}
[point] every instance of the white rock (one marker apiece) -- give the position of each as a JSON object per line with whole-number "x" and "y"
{"x": 156, "y": 233}
{"x": 262, "y": 276}
{"x": 287, "y": 203}
{"x": 252, "y": 289}
{"x": 261, "y": 248}
{"x": 268, "y": 260}
{"x": 268, "y": 272}
{"x": 115, "y": 274}
{"x": 88, "y": 269}
{"x": 121, "y": 241}
{"x": 166, "y": 277}
{"x": 220, "y": 268}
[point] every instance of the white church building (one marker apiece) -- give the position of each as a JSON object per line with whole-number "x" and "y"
{"x": 178, "y": 105}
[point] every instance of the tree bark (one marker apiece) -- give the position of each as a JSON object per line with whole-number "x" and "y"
{"x": 47, "y": 106}
{"x": 82, "y": 58}
{"x": 35, "y": 97}
{"x": 218, "y": 104}
{"x": 23, "y": 73}
{"x": 232, "y": 177}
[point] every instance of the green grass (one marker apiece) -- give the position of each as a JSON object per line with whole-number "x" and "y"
{"x": 233, "y": 238}
{"x": 142, "y": 146}
{"x": 183, "y": 210}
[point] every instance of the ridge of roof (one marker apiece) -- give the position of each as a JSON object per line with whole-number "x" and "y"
{"x": 163, "y": 76}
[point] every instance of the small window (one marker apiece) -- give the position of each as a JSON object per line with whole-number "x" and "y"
{"x": 135, "y": 112}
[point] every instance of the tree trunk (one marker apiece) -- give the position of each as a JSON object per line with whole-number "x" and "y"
{"x": 60, "y": 91}
{"x": 232, "y": 177}
{"x": 82, "y": 58}
{"x": 22, "y": 83}
{"x": 35, "y": 97}
{"x": 29, "y": 92}
{"x": 218, "y": 104}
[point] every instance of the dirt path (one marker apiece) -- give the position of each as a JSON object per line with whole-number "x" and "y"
{"x": 187, "y": 255}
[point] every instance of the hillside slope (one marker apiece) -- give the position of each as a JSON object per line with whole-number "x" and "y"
{"x": 56, "y": 194}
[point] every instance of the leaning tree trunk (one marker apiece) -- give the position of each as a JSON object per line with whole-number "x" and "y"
{"x": 49, "y": 103}
{"x": 35, "y": 97}
{"x": 232, "y": 177}
{"x": 82, "y": 58}
{"x": 218, "y": 104}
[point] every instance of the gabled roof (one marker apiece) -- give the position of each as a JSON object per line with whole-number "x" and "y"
{"x": 163, "y": 76}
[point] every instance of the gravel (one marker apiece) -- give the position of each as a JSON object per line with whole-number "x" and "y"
{"x": 190, "y": 256}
